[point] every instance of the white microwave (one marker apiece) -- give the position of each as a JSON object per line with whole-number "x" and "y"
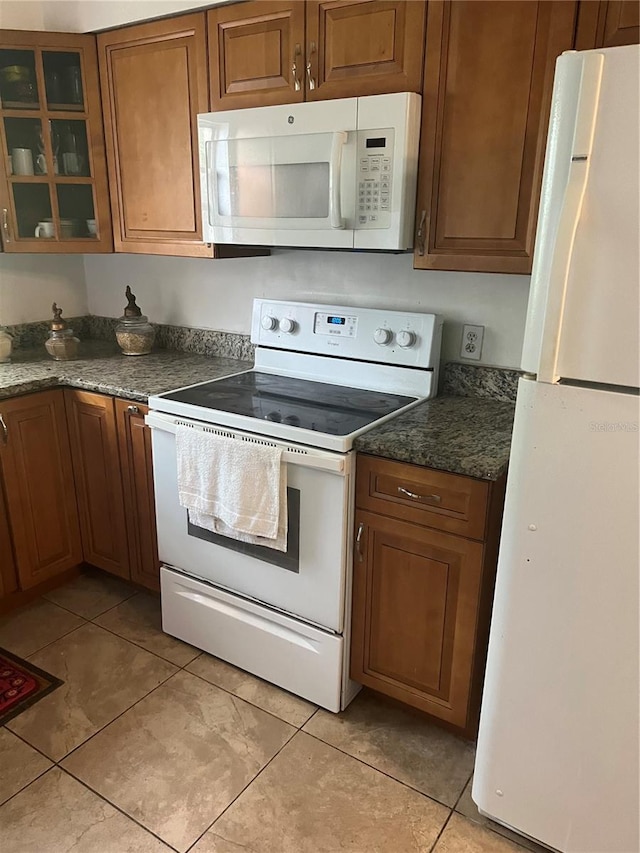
{"x": 337, "y": 174}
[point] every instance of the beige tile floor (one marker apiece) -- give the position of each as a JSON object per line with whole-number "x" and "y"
{"x": 152, "y": 746}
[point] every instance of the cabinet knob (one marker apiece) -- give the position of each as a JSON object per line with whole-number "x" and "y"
{"x": 294, "y": 68}
{"x": 133, "y": 410}
{"x": 310, "y": 80}
{"x": 5, "y": 225}
{"x": 421, "y": 233}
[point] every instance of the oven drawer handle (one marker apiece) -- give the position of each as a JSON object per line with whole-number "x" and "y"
{"x": 415, "y": 497}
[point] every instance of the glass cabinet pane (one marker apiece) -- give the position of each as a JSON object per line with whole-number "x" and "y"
{"x": 70, "y": 148}
{"x": 33, "y": 210}
{"x": 63, "y": 80}
{"x": 25, "y": 146}
{"x": 77, "y": 216}
{"x": 18, "y": 85}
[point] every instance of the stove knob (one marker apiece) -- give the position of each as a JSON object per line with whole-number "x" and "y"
{"x": 268, "y": 323}
{"x": 406, "y": 339}
{"x": 291, "y": 420}
{"x": 276, "y": 417}
{"x": 287, "y": 325}
{"x": 383, "y": 336}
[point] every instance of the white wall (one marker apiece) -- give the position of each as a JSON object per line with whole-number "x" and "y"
{"x": 84, "y": 16}
{"x": 21, "y": 15}
{"x": 29, "y": 284}
{"x": 218, "y": 294}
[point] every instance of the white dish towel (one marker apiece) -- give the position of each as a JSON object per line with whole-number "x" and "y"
{"x": 233, "y": 487}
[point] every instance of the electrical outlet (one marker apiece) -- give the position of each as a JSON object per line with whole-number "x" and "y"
{"x": 472, "y": 337}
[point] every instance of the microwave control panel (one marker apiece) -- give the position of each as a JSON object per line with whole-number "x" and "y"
{"x": 375, "y": 168}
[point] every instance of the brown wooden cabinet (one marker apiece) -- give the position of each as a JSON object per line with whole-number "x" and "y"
{"x": 39, "y": 489}
{"x": 8, "y": 572}
{"x": 607, "y": 24}
{"x": 284, "y": 52}
{"x": 96, "y": 464}
{"x": 154, "y": 83}
{"x": 134, "y": 440}
{"x": 424, "y": 570}
{"x": 53, "y": 176}
{"x": 487, "y": 90}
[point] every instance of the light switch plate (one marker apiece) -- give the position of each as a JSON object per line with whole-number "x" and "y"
{"x": 472, "y": 338}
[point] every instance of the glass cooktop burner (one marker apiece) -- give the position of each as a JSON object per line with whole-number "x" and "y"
{"x": 317, "y": 406}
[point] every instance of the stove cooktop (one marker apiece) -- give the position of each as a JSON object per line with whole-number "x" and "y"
{"x": 317, "y": 406}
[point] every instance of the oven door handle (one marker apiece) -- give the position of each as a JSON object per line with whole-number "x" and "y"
{"x": 306, "y": 458}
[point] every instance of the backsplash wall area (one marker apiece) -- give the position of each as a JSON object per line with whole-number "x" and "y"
{"x": 30, "y": 283}
{"x": 218, "y": 294}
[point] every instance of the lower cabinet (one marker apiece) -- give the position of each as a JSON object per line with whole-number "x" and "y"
{"x": 134, "y": 440}
{"x": 424, "y": 571}
{"x": 76, "y": 485}
{"x": 8, "y": 572}
{"x": 96, "y": 466}
{"x": 111, "y": 449}
{"x": 38, "y": 487}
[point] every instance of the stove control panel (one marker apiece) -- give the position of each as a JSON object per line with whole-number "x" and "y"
{"x": 410, "y": 339}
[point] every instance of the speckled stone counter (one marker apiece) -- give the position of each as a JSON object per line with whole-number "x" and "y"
{"x": 102, "y": 368}
{"x": 462, "y": 435}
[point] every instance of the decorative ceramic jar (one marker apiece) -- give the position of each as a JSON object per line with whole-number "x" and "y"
{"x": 6, "y": 342}
{"x": 62, "y": 344}
{"x": 134, "y": 332}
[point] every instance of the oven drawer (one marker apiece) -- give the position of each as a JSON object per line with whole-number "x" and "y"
{"x": 435, "y": 499}
{"x": 296, "y": 656}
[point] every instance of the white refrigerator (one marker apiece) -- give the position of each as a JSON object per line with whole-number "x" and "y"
{"x": 558, "y": 746}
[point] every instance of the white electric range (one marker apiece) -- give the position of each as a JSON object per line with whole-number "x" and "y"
{"x": 322, "y": 376}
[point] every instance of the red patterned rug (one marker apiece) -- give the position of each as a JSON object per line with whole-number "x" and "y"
{"x": 21, "y": 685}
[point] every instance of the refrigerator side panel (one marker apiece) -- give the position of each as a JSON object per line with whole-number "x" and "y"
{"x": 600, "y": 325}
{"x": 558, "y": 745}
{"x": 564, "y": 105}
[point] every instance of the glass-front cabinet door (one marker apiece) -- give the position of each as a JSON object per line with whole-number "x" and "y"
{"x": 53, "y": 192}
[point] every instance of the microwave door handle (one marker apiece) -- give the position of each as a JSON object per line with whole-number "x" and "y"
{"x": 335, "y": 168}
{"x": 210, "y": 179}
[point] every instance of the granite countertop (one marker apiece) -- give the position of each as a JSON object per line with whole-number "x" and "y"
{"x": 462, "y": 435}
{"x": 101, "y": 367}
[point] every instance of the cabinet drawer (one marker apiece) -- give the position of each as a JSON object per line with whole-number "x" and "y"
{"x": 435, "y": 499}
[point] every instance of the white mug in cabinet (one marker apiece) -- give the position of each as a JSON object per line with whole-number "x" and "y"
{"x": 22, "y": 161}
{"x": 45, "y": 229}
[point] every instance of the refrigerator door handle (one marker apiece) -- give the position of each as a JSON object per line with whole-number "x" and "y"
{"x": 570, "y": 214}
{"x": 573, "y": 110}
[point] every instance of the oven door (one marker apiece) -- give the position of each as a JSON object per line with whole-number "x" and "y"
{"x": 308, "y": 581}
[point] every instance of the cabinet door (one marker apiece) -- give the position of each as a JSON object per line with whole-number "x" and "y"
{"x": 364, "y": 47}
{"x": 154, "y": 83}
{"x": 134, "y": 439}
{"x": 53, "y": 174}
{"x": 8, "y": 574}
{"x": 256, "y": 54}
{"x": 415, "y": 607}
{"x": 40, "y": 493}
{"x": 96, "y": 466}
{"x": 607, "y": 24}
{"x": 488, "y": 81}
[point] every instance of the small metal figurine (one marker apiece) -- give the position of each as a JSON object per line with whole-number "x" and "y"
{"x": 132, "y": 309}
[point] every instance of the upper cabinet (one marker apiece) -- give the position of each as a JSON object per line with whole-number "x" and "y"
{"x": 487, "y": 91}
{"x": 608, "y": 24}
{"x": 154, "y": 83}
{"x": 53, "y": 181}
{"x": 264, "y": 53}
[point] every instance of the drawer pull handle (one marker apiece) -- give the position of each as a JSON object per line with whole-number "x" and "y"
{"x": 358, "y": 539}
{"x": 5, "y": 431}
{"x": 414, "y": 497}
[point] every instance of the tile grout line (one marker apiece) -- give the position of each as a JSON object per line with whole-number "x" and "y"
{"x": 240, "y": 793}
{"x": 441, "y": 833}
{"x": 383, "y": 772}
{"x": 114, "y": 806}
{"x": 24, "y": 787}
